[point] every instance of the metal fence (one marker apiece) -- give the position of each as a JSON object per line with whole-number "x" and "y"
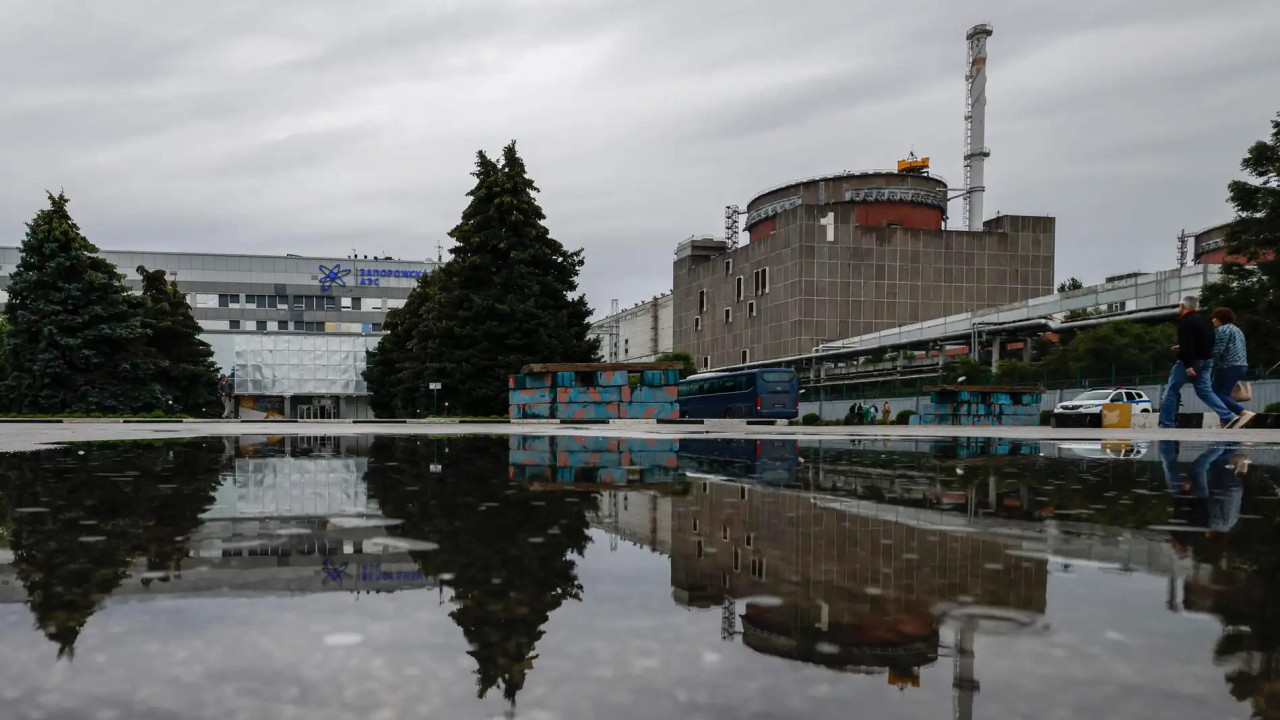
{"x": 831, "y": 405}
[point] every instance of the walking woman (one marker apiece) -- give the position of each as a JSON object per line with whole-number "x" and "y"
{"x": 1230, "y": 363}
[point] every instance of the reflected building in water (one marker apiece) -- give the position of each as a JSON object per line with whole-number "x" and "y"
{"x": 815, "y": 581}
{"x": 876, "y": 557}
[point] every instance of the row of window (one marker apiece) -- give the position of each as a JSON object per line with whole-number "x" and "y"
{"x": 757, "y": 563}
{"x": 283, "y": 326}
{"x": 300, "y": 302}
{"x": 760, "y": 286}
{"x": 749, "y": 539}
{"x": 728, "y": 316}
{"x": 744, "y": 357}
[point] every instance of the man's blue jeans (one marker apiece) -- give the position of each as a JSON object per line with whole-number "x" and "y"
{"x": 1203, "y": 384}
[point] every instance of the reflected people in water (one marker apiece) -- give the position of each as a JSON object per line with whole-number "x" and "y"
{"x": 1208, "y": 498}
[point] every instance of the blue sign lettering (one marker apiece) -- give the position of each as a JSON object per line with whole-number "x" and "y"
{"x": 336, "y": 275}
{"x": 375, "y": 573}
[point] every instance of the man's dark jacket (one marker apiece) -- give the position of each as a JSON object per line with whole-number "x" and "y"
{"x": 1195, "y": 339}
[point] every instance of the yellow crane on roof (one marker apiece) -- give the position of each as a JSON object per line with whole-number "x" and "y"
{"x": 913, "y": 165}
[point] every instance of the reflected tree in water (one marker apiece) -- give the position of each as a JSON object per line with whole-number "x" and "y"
{"x": 1237, "y": 578}
{"x": 76, "y": 522}
{"x": 509, "y": 550}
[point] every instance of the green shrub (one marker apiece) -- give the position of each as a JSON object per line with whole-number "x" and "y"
{"x": 1273, "y": 408}
{"x": 811, "y": 419}
{"x": 1046, "y": 417}
{"x": 904, "y": 417}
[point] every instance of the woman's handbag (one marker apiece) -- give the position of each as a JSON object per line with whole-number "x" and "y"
{"x": 1242, "y": 392}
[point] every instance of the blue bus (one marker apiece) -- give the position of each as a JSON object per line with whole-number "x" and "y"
{"x": 769, "y": 462}
{"x": 762, "y": 393}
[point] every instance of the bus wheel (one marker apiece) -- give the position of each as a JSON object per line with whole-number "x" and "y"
{"x": 728, "y": 412}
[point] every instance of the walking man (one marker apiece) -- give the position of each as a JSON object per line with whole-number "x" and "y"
{"x": 225, "y": 392}
{"x": 1194, "y": 365}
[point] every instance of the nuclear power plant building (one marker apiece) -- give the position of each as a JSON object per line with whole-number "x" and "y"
{"x": 843, "y": 255}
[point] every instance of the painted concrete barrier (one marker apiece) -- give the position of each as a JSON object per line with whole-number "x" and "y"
{"x": 594, "y": 392}
{"x": 651, "y": 394}
{"x": 533, "y": 411}
{"x": 588, "y": 460}
{"x": 531, "y": 396}
{"x": 649, "y": 411}
{"x": 979, "y": 406}
{"x": 590, "y": 394}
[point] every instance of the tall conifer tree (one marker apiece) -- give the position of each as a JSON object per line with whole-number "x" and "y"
{"x": 1252, "y": 290}
{"x": 506, "y": 298}
{"x": 186, "y": 373}
{"x": 76, "y": 342}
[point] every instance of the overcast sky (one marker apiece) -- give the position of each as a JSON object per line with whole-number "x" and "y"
{"x": 317, "y": 127}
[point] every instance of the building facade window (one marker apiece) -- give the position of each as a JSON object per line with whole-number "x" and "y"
{"x": 760, "y": 281}
{"x": 697, "y": 323}
{"x": 737, "y": 560}
{"x": 262, "y": 326}
{"x": 728, "y": 267}
{"x": 751, "y": 308}
{"x": 697, "y": 525}
{"x": 282, "y": 325}
{"x": 698, "y": 549}
{"x": 319, "y": 302}
{"x": 757, "y": 568}
{"x": 728, "y": 315}
{"x": 706, "y": 362}
{"x": 234, "y": 324}
{"x": 737, "y": 289}
{"x": 702, "y": 301}
{"x": 745, "y": 356}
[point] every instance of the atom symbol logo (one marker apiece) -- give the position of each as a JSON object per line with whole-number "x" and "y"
{"x": 330, "y": 276}
{"x": 334, "y": 573}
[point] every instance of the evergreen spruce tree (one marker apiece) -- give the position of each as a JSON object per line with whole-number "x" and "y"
{"x": 4, "y": 333}
{"x": 389, "y": 368}
{"x": 510, "y": 552}
{"x": 186, "y": 373}
{"x": 505, "y": 299}
{"x": 143, "y": 500}
{"x": 76, "y": 342}
{"x": 1252, "y": 290}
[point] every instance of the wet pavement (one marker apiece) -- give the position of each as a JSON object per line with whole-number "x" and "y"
{"x": 583, "y": 576}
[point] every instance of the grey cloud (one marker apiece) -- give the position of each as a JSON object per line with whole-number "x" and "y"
{"x": 320, "y": 126}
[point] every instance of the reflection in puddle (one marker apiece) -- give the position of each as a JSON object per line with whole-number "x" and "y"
{"x": 907, "y": 561}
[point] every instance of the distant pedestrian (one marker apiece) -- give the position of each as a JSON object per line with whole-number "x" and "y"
{"x": 1230, "y": 363}
{"x": 226, "y": 393}
{"x": 887, "y": 412}
{"x": 1194, "y": 364}
{"x": 855, "y": 414}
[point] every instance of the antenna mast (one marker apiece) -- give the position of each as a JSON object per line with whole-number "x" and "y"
{"x": 615, "y": 329}
{"x": 731, "y": 213}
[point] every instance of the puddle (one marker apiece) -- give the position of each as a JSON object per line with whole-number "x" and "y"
{"x": 502, "y": 577}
